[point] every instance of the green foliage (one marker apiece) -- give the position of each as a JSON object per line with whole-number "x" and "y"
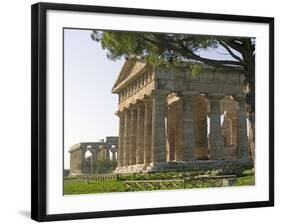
{"x": 169, "y": 49}
{"x": 196, "y": 69}
{"x": 106, "y": 166}
{"x": 156, "y": 48}
{"x": 245, "y": 180}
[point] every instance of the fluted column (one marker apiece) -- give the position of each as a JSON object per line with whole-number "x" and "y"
{"x": 242, "y": 139}
{"x": 94, "y": 168}
{"x": 158, "y": 126}
{"x": 216, "y": 139}
{"x": 140, "y": 134}
{"x": 107, "y": 156}
{"x": 200, "y": 127}
{"x": 233, "y": 136}
{"x": 188, "y": 128}
{"x": 77, "y": 160}
{"x": 178, "y": 115}
{"x": 170, "y": 145}
{"x": 113, "y": 155}
{"x": 127, "y": 138}
{"x": 121, "y": 138}
{"x": 133, "y": 135}
{"x": 83, "y": 159}
{"x": 147, "y": 131}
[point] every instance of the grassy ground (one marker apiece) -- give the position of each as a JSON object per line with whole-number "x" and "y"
{"x": 247, "y": 178}
{"x": 79, "y": 186}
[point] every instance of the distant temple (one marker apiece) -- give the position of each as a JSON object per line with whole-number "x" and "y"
{"x": 85, "y": 156}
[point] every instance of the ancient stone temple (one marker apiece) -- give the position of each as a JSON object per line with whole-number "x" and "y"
{"x": 171, "y": 119}
{"x": 80, "y": 163}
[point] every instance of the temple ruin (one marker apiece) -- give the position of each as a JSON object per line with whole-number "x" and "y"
{"x": 81, "y": 163}
{"x": 171, "y": 119}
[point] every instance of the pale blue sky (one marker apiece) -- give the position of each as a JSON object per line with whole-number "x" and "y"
{"x": 88, "y": 79}
{"x": 89, "y": 105}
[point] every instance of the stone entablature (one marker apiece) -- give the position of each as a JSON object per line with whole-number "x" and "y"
{"x": 101, "y": 150}
{"x": 164, "y": 115}
{"x": 145, "y": 78}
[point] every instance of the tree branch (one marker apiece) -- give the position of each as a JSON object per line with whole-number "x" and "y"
{"x": 216, "y": 63}
{"x": 238, "y": 47}
{"x": 230, "y": 51}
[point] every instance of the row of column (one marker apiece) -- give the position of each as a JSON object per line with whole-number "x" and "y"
{"x": 142, "y": 135}
{"x": 78, "y": 159}
{"x": 142, "y": 130}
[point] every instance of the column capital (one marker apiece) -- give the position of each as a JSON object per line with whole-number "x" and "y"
{"x": 113, "y": 149}
{"x": 92, "y": 150}
{"x": 139, "y": 103}
{"x": 147, "y": 101}
{"x": 239, "y": 98}
{"x": 132, "y": 107}
{"x": 126, "y": 110}
{"x": 83, "y": 149}
{"x": 119, "y": 113}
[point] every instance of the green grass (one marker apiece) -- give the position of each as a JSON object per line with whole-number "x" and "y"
{"x": 245, "y": 180}
{"x": 79, "y": 186}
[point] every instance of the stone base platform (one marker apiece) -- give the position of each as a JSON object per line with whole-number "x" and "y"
{"x": 138, "y": 168}
{"x": 227, "y": 166}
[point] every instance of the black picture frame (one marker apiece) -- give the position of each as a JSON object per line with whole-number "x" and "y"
{"x": 39, "y": 107}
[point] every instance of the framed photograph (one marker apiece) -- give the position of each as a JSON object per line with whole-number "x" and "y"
{"x": 139, "y": 111}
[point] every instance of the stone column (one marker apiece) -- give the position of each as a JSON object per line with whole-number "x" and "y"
{"x": 140, "y": 134}
{"x": 98, "y": 154}
{"x": 199, "y": 108}
{"x": 216, "y": 139}
{"x": 170, "y": 133}
{"x": 133, "y": 135}
{"x": 226, "y": 130}
{"x": 233, "y": 137}
{"x": 113, "y": 153}
{"x": 77, "y": 160}
{"x": 121, "y": 138}
{"x": 147, "y": 131}
{"x": 188, "y": 128}
{"x": 83, "y": 159}
{"x": 101, "y": 152}
{"x": 107, "y": 156}
{"x": 127, "y": 137}
{"x": 178, "y": 135}
{"x": 230, "y": 106}
{"x": 242, "y": 139}
{"x": 94, "y": 167}
{"x": 158, "y": 148}
{"x": 169, "y": 147}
